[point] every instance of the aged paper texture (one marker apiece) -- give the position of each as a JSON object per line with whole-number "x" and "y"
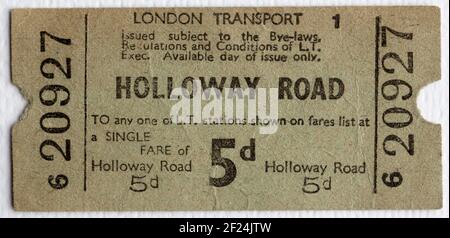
{"x": 225, "y": 108}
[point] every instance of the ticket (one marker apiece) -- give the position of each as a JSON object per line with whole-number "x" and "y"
{"x": 280, "y": 108}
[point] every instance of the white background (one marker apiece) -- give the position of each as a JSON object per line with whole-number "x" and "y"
{"x": 433, "y": 101}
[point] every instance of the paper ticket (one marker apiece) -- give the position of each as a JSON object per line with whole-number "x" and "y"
{"x": 286, "y": 108}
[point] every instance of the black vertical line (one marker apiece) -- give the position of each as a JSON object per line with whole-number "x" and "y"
{"x": 85, "y": 99}
{"x": 377, "y": 55}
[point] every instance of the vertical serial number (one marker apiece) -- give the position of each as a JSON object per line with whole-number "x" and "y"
{"x": 56, "y": 71}
{"x": 396, "y": 72}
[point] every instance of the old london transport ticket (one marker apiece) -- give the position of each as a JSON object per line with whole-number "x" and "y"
{"x": 225, "y": 108}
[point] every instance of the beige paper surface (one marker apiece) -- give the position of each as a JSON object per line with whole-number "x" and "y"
{"x": 97, "y": 133}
